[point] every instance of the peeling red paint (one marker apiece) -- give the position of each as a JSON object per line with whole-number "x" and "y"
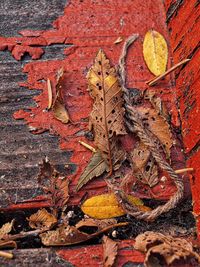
{"x": 93, "y": 255}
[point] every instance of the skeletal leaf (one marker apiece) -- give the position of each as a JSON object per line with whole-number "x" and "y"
{"x": 68, "y": 235}
{"x": 50, "y": 95}
{"x": 42, "y": 219}
{"x": 155, "y": 52}
{"x": 109, "y": 251}
{"x": 144, "y": 165}
{"x": 5, "y": 229}
{"x": 95, "y": 168}
{"x": 106, "y": 118}
{"x": 157, "y": 245}
{"x": 59, "y": 110}
{"x": 157, "y": 125}
{"x": 106, "y": 206}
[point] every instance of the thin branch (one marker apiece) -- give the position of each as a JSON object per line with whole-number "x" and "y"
{"x": 184, "y": 170}
{"x": 156, "y": 79}
{"x": 88, "y": 146}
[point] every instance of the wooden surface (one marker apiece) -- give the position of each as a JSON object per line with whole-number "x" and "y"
{"x": 183, "y": 18}
{"x": 77, "y": 33}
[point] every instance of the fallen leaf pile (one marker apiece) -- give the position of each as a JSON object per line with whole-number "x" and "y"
{"x": 157, "y": 245}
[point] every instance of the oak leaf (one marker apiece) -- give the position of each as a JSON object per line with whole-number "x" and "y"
{"x": 144, "y": 165}
{"x": 96, "y": 167}
{"x": 42, "y": 219}
{"x": 170, "y": 248}
{"x": 158, "y": 125}
{"x": 106, "y": 206}
{"x": 155, "y": 52}
{"x": 109, "y": 251}
{"x": 59, "y": 110}
{"x": 106, "y": 118}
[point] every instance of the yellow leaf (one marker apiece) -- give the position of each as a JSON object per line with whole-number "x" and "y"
{"x": 155, "y": 52}
{"x": 106, "y": 206}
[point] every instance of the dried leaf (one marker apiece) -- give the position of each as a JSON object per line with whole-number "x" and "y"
{"x": 109, "y": 251}
{"x": 155, "y": 52}
{"x": 118, "y": 40}
{"x": 144, "y": 165}
{"x": 106, "y": 117}
{"x": 95, "y": 168}
{"x": 50, "y": 95}
{"x": 42, "y": 219}
{"x": 68, "y": 235}
{"x": 5, "y": 229}
{"x": 56, "y": 185}
{"x": 106, "y": 206}
{"x": 170, "y": 248}
{"x": 157, "y": 125}
{"x": 59, "y": 110}
{"x": 100, "y": 224}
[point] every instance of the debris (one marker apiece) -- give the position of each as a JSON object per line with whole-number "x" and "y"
{"x": 88, "y": 146}
{"x": 118, "y": 40}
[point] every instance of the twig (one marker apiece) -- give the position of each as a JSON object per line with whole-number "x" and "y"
{"x": 184, "y": 170}
{"x": 50, "y": 96}
{"x": 156, "y": 79}
{"x": 6, "y": 255}
{"x": 25, "y": 234}
{"x": 88, "y": 146}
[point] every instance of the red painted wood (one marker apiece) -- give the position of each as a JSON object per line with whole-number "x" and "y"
{"x": 184, "y": 38}
{"x": 93, "y": 255}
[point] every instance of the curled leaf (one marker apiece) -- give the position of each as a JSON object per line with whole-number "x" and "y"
{"x": 59, "y": 110}
{"x": 170, "y": 248}
{"x": 42, "y": 219}
{"x": 96, "y": 167}
{"x": 106, "y": 118}
{"x": 109, "y": 251}
{"x": 106, "y": 206}
{"x": 155, "y": 52}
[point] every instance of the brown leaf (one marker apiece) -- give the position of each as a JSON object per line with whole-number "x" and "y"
{"x": 109, "y": 251}
{"x": 59, "y": 110}
{"x": 42, "y": 219}
{"x": 68, "y": 235}
{"x": 95, "y": 168}
{"x": 100, "y": 224}
{"x": 157, "y": 125}
{"x": 54, "y": 184}
{"x": 106, "y": 117}
{"x": 5, "y": 229}
{"x": 170, "y": 248}
{"x": 144, "y": 165}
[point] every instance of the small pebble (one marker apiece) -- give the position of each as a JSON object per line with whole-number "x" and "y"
{"x": 114, "y": 234}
